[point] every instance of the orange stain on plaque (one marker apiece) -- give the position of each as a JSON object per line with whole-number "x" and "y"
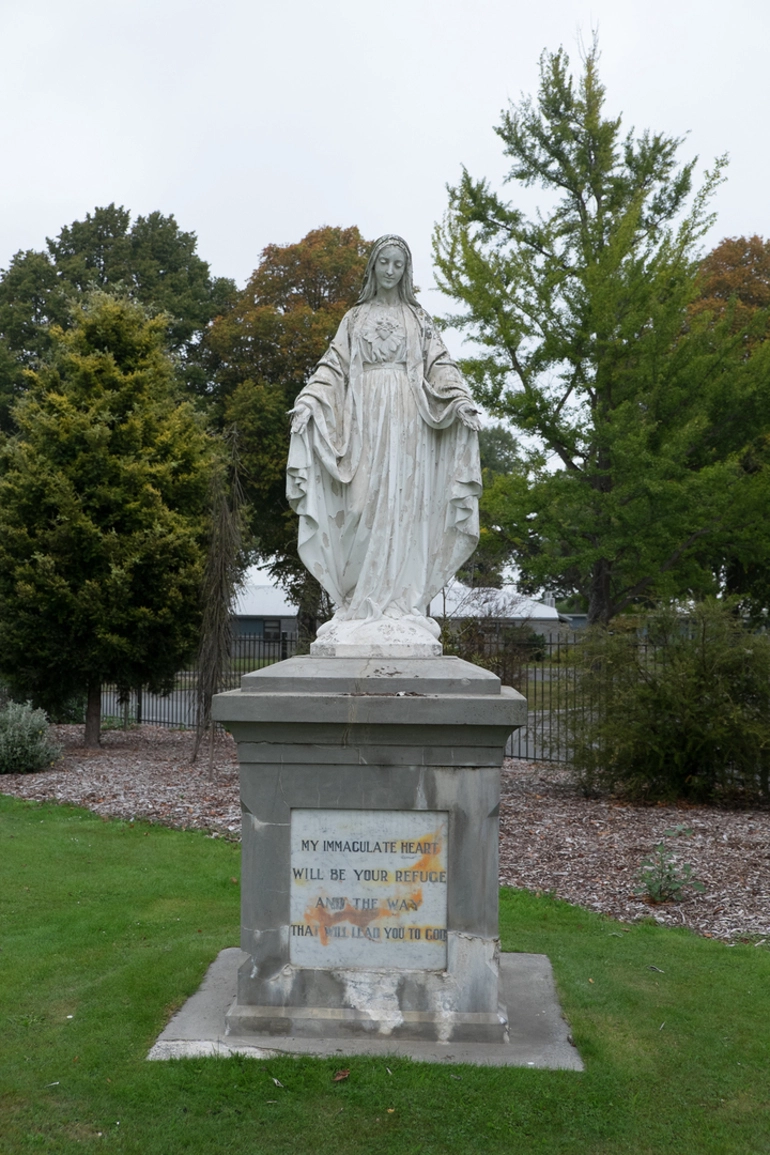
{"x": 322, "y": 917}
{"x": 430, "y": 861}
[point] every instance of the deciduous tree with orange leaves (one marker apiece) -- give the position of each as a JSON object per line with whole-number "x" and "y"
{"x": 264, "y": 349}
{"x": 734, "y": 283}
{"x": 738, "y": 270}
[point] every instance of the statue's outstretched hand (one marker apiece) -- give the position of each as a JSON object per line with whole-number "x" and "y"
{"x": 300, "y": 416}
{"x": 469, "y": 415}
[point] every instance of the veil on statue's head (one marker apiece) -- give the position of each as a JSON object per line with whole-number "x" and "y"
{"x": 405, "y": 285}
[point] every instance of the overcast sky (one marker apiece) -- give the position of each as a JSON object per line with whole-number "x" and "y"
{"x": 254, "y": 121}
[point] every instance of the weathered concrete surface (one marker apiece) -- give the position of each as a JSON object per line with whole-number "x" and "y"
{"x": 538, "y": 1034}
{"x": 363, "y": 747}
{"x": 312, "y": 675}
{"x": 502, "y": 710}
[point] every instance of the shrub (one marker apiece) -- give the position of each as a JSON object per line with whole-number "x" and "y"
{"x": 679, "y": 709}
{"x": 24, "y": 742}
{"x": 505, "y": 650}
{"x": 662, "y": 877}
{"x": 65, "y": 711}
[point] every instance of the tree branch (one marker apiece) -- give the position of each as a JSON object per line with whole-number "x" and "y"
{"x": 627, "y": 596}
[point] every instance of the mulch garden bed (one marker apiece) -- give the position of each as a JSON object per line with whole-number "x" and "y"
{"x": 552, "y": 839}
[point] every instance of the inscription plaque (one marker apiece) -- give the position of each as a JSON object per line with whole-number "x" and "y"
{"x": 368, "y": 888}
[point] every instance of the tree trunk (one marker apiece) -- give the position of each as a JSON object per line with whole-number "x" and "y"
{"x": 307, "y": 628}
{"x": 94, "y": 714}
{"x": 600, "y": 597}
{"x": 313, "y": 608}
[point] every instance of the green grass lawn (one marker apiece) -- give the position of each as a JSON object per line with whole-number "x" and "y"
{"x": 107, "y": 927}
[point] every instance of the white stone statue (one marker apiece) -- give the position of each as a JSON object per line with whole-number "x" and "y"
{"x": 384, "y": 469}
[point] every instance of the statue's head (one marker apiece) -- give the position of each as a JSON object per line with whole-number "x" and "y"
{"x": 405, "y": 285}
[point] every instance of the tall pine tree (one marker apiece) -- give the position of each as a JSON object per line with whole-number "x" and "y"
{"x": 103, "y": 514}
{"x": 589, "y": 347}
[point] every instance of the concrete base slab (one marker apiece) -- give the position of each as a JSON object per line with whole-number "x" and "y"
{"x": 538, "y": 1034}
{"x": 306, "y": 674}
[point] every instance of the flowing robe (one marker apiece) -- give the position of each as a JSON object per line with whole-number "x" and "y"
{"x": 385, "y": 477}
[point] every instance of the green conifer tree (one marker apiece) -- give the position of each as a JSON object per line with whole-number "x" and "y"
{"x": 103, "y": 506}
{"x": 589, "y": 346}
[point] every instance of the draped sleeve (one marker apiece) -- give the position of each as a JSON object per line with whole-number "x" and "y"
{"x": 437, "y": 383}
{"x": 331, "y": 402}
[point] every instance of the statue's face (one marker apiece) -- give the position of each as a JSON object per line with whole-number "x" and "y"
{"x": 389, "y": 267}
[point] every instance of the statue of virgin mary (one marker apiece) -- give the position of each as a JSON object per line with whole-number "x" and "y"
{"x": 384, "y": 469}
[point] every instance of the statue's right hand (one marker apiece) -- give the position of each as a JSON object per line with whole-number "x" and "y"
{"x": 469, "y": 415}
{"x": 300, "y": 416}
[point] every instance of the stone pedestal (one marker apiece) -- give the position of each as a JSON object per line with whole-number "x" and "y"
{"x": 370, "y": 794}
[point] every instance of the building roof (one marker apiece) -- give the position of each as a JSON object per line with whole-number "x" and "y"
{"x": 459, "y": 601}
{"x": 260, "y": 596}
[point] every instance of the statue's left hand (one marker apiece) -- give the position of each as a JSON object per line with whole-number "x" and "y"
{"x": 469, "y": 415}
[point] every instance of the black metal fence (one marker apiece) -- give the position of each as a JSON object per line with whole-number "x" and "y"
{"x": 541, "y": 669}
{"x": 177, "y": 709}
{"x": 545, "y": 675}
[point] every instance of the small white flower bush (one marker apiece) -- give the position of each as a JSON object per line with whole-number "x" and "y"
{"x": 24, "y": 742}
